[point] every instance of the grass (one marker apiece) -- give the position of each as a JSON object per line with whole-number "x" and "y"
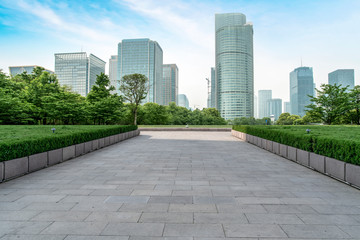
{"x": 183, "y": 126}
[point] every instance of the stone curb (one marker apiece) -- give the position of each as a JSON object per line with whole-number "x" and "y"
{"x": 342, "y": 171}
{"x": 21, "y": 166}
{"x": 187, "y": 129}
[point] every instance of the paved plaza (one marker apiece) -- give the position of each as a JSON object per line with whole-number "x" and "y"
{"x": 178, "y": 185}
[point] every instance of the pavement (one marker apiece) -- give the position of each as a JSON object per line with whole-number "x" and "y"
{"x": 178, "y": 185}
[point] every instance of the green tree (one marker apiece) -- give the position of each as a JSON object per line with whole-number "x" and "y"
{"x": 354, "y": 98}
{"x": 134, "y": 90}
{"x": 178, "y": 115}
{"x": 154, "y": 114}
{"x": 104, "y": 107}
{"x": 211, "y": 116}
{"x": 330, "y": 105}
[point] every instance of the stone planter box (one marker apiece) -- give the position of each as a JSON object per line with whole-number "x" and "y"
{"x": 258, "y": 142}
{"x": 352, "y": 174}
{"x": 335, "y": 168}
{"x": 284, "y": 151}
{"x": 38, "y": 161}
{"x": 68, "y": 152}
{"x": 291, "y": 153}
{"x": 317, "y": 162}
{"x": 263, "y": 143}
{"x": 269, "y": 145}
{"x": 79, "y": 149}
{"x": 16, "y": 167}
{"x": 88, "y": 147}
{"x": 101, "y": 142}
{"x": 303, "y": 157}
{"x": 112, "y": 140}
{"x": 106, "y": 141}
{"x": 95, "y": 145}
{"x": 116, "y": 138}
{"x": 55, "y": 156}
{"x": 276, "y": 148}
{"x": 1, "y": 171}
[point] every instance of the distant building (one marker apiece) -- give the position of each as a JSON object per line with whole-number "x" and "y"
{"x": 142, "y": 56}
{"x": 275, "y": 108}
{"x": 114, "y": 80}
{"x": 264, "y": 97}
{"x": 183, "y": 101}
{"x": 213, "y": 89}
{"x": 169, "y": 86}
{"x": 234, "y": 66}
{"x": 345, "y": 77}
{"x": 287, "y": 107}
{"x": 15, "y": 70}
{"x": 256, "y": 112}
{"x": 301, "y": 85}
{"x": 78, "y": 71}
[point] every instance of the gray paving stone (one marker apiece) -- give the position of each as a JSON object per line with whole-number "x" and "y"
{"x": 139, "y": 207}
{"x": 175, "y": 199}
{"x": 160, "y": 238}
{"x": 134, "y": 229}
{"x": 314, "y": 231}
{"x": 196, "y": 230}
{"x": 61, "y": 216}
{"x": 253, "y": 230}
{"x": 22, "y": 227}
{"x": 169, "y": 217}
{"x": 127, "y": 199}
{"x": 77, "y": 237}
{"x": 220, "y": 218}
{"x": 271, "y": 218}
{"x": 286, "y": 208}
{"x": 213, "y": 200}
{"x": 114, "y": 217}
{"x": 192, "y": 208}
{"x": 17, "y": 215}
{"x": 33, "y": 237}
{"x": 75, "y": 228}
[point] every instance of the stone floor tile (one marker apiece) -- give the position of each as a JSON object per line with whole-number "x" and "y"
{"x": 77, "y": 237}
{"x": 33, "y": 237}
{"x": 128, "y": 217}
{"x": 220, "y": 218}
{"x": 195, "y": 230}
{"x": 171, "y": 217}
{"x": 240, "y": 208}
{"x": 271, "y": 218}
{"x": 175, "y": 199}
{"x": 75, "y": 228}
{"x": 253, "y": 230}
{"x": 314, "y": 231}
{"x": 150, "y": 207}
{"x": 61, "y": 216}
{"x": 134, "y": 229}
{"x": 193, "y": 208}
{"x": 17, "y": 215}
{"x": 95, "y": 207}
{"x": 127, "y": 199}
{"x": 285, "y": 208}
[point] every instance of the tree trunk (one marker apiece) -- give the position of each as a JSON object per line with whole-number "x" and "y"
{"x": 135, "y": 115}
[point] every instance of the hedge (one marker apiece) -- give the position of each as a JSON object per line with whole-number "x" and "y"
{"x": 17, "y": 148}
{"x": 339, "y": 142}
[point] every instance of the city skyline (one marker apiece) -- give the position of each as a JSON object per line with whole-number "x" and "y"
{"x": 32, "y": 31}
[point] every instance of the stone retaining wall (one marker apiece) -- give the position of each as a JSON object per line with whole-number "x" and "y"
{"x": 345, "y": 172}
{"x": 21, "y": 166}
{"x": 187, "y": 129}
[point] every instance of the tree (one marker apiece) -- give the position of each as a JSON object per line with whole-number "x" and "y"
{"x": 331, "y": 104}
{"x": 178, "y": 115}
{"x": 134, "y": 90}
{"x": 154, "y": 114}
{"x": 104, "y": 107}
{"x": 354, "y": 98}
{"x": 211, "y": 116}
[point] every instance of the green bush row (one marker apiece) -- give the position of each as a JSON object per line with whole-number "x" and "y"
{"x": 12, "y": 149}
{"x": 324, "y": 140}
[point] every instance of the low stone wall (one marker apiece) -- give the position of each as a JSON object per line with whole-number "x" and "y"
{"x": 21, "y": 166}
{"x": 187, "y": 129}
{"x": 345, "y": 172}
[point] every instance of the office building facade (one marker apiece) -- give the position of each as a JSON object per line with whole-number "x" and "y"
{"x": 213, "y": 89}
{"x": 169, "y": 86}
{"x": 142, "y": 56}
{"x": 343, "y": 77}
{"x": 114, "y": 80}
{"x": 234, "y": 66}
{"x": 301, "y": 85}
{"x": 275, "y": 108}
{"x": 183, "y": 101}
{"x": 15, "y": 70}
{"x": 287, "y": 107}
{"x": 263, "y": 107}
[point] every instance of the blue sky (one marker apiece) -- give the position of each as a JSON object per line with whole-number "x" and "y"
{"x": 323, "y": 33}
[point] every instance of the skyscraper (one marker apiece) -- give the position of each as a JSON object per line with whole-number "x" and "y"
{"x": 264, "y": 97}
{"x": 183, "y": 101}
{"x": 345, "y": 77}
{"x": 275, "y": 107}
{"x": 14, "y": 70}
{"x": 287, "y": 107}
{"x": 142, "y": 56}
{"x": 301, "y": 85}
{"x": 169, "y": 87}
{"x": 78, "y": 71}
{"x": 213, "y": 89}
{"x": 234, "y": 66}
{"x": 114, "y": 81}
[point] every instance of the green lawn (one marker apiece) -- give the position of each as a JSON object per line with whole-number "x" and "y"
{"x": 183, "y": 126}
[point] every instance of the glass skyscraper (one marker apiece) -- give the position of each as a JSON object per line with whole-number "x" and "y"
{"x": 213, "y": 89}
{"x": 275, "y": 108}
{"x": 78, "y": 71}
{"x": 264, "y": 97}
{"x": 183, "y": 101}
{"x": 113, "y": 64}
{"x": 301, "y": 85}
{"x": 142, "y": 56}
{"x": 234, "y": 66}
{"x": 287, "y": 107}
{"x": 345, "y": 77}
{"x": 14, "y": 70}
{"x": 169, "y": 87}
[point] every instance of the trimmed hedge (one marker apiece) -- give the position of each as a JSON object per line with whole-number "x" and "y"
{"x": 64, "y": 136}
{"x": 339, "y": 142}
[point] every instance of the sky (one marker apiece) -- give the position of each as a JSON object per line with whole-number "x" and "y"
{"x": 322, "y": 34}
